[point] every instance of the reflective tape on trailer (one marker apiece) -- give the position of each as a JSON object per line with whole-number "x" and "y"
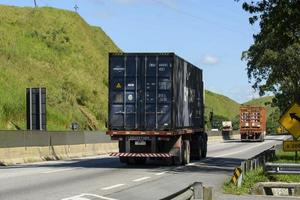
{"x": 149, "y": 155}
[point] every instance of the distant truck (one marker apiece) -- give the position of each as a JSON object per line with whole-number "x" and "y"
{"x": 253, "y": 123}
{"x": 156, "y": 108}
{"x": 226, "y": 126}
{"x": 226, "y": 129}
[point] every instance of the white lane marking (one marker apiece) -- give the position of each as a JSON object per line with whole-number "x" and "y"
{"x": 57, "y": 170}
{"x": 141, "y": 179}
{"x": 160, "y": 173}
{"x": 191, "y": 164}
{"x": 111, "y": 187}
{"x": 82, "y": 197}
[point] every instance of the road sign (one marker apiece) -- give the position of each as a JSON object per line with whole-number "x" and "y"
{"x": 237, "y": 176}
{"x": 291, "y": 145}
{"x": 290, "y": 120}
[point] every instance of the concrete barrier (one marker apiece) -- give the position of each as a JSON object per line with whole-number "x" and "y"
{"x": 217, "y": 136}
{"x": 18, "y": 155}
{"x": 31, "y": 146}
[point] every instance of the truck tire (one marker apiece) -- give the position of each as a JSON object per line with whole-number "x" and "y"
{"x": 204, "y": 151}
{"x": 204, "y": 146}
{"x": 198, "y": 149}
{"x": 262, "y": 137}
{"x": 177, "y": 160}
{"x": 186, "y": 152}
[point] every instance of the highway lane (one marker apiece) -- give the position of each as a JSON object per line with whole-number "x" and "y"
{"x": 104, "y": 177}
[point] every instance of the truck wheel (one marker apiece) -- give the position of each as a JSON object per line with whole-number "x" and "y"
{"x": 186, "y": 152}
{"x": 177, "y": 160}
{"x": 204, "y": 150}
{"x": 262, "y": 137}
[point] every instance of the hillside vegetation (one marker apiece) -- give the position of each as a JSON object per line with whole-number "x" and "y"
{"x": 221, "y": 105}
{"x": 58, "y": 50}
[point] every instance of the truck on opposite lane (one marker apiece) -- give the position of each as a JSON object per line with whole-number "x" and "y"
{"x": 156, "y": 108}
{"x": 253, "y": 123}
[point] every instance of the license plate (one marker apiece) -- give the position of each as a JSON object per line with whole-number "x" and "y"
{"x": 139, "y": 138}
{"x": 142, "y": 143}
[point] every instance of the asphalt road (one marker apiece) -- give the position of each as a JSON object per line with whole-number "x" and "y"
{"x": 106, "y": 178}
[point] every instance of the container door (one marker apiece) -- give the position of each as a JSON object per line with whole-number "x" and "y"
{"x": 123, "y": 92}
{"x": 156, "y": 93}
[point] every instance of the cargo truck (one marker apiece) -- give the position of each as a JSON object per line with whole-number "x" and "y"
{"x": 226, "y": 129}
{"x": 252, "y": 123}
{"x": 156, "y": 108}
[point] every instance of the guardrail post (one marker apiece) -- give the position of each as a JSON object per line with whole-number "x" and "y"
{"x": 243, "y": 167}
{"x": 297, "y": 191}
{"x": 198, "y": 190}
{"x": 207, "y": 193}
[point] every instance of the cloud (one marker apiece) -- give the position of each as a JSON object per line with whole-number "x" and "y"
{"x": 210, "y": 60}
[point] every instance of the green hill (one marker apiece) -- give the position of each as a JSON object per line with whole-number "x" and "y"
{"x": 56, "y": 49}
{"x": 263, "y": 101}
{"x": 221, "y": 105}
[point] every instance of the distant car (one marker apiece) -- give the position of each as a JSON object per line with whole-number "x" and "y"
{"x": 214, "y": 129}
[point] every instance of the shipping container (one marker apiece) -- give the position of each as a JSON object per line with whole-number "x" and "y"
{"x": 154, "y": 95}
{"x": 154, "y": 92}
{"x": 252, "y": 123}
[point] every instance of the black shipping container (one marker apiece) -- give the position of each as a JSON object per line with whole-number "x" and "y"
{"x": 154, "y": 91}
{"x": 36, "y": 108}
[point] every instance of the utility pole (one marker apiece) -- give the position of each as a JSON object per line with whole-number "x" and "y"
{"x": 76, "y": 8}
{"x": 35, "y": 5}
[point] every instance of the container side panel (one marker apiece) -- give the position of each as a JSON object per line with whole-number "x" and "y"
{"x": 188, "y": 95}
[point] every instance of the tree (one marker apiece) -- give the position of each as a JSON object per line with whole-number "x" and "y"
{"x": 273, "y": 61}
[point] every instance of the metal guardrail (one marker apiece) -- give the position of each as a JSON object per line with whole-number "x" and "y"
{"x": 282, "y": 168}
{"x": 193, "y": 191}
{"x": 254, "y": 163}
{"x": 258, "y": 160}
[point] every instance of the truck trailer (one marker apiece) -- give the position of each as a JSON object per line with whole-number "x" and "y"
{"x": 156, "y": 108}
{"x": 252, "y": 123}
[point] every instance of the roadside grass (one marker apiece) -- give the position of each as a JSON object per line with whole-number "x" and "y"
{"x": 255, "y": 176}
{"x": 249, "y": 181}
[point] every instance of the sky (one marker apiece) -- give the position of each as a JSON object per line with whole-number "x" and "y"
{"x": 212, "y": 34}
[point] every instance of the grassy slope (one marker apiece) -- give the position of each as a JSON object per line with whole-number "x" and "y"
{"x": 56, "y": 49}
{"x": 222, "y": 105}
